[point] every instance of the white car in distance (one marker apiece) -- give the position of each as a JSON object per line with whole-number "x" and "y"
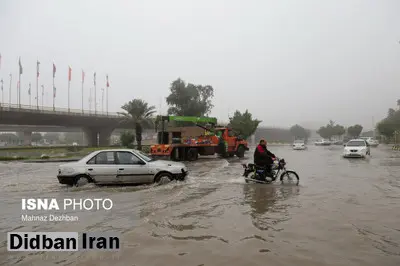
{"x": 299, "y": 145}
{"x": 356, "y": 148}
{"x": 120, "y": 166}
{"x": 371, "y": 141}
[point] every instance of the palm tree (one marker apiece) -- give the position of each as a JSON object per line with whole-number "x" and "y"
{"x": 398, "y": 103}
{"x": 140, "y": 115}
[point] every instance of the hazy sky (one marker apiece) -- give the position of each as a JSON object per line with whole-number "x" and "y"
{"x": 287, "y": 62}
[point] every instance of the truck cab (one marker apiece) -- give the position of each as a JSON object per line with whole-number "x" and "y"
{"x": 233, "y": 143}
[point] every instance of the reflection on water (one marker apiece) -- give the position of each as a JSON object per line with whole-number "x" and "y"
{"x": 345, "y": 212}
{"x": 268, "y": 204}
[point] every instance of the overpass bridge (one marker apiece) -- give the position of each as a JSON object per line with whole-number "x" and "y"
{"x": 29, "y": 128}
{"x": 97, "y": 126}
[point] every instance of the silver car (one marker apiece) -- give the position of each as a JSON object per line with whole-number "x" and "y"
{"x": 120, "y": 166}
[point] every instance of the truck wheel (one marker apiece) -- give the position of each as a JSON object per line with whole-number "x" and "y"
{"x": 240, "y": 151}
{"x": 192, "y": 154}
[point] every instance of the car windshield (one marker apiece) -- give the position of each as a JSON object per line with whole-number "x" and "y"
{"x": 355, "y": 143}
{"x": 299, "y": 141}
{"x": 143, "y": 156}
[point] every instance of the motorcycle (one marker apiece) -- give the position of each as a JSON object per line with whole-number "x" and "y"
{"x": 259, "y": 174}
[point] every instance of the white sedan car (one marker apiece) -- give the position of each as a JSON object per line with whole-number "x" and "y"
{"x": 120, "y": 166}
{"x": 299, "y": 145}
{"x": 356, "y": 148}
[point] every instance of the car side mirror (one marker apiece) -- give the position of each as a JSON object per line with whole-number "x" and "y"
{"x": 141, "y": 162}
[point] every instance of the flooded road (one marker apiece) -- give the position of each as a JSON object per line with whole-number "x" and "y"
{"x": 344, "y": 212}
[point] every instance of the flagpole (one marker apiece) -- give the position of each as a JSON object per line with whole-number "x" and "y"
{"x": 107, "y": 85}
{"x": 37, "y": 84}
{"x": 37, "y": 92}
{"x": 2, "y": 91}
{"x": 95, "y": 96}
{"x": 82, "y": 89}
{"x": 90, "y": 100}
{"x": 54, "y": 88}
{"x": 19, "y": 91}
{"x": 68, "y": 94}
{"x": 30, "y": 100}
{"x": 54, "y": 95}
{"x": 102, "y": 100}
{"x": 42, "y": 95}
{"x": 9, "y": 96}
{"x": 69, "y": 83}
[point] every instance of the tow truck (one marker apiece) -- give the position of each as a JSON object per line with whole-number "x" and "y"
{"x": 213, "y": 140}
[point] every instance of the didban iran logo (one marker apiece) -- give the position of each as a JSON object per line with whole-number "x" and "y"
{"x": 52, "y": 204}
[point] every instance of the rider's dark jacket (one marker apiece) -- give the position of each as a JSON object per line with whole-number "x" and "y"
{"x": 262, "y": 156}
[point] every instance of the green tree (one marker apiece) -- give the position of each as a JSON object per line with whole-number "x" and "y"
{"x": 140, "y": 115}
{"x": 327, "y": 131}
{"x": 324, "y": 132}
{"x": 391, "y": 112}
{"x": 189, "y": 99}
{"x": 339, "y": 130}
{"x": 127, "y": 139}
{"x": 298, "y": 131}
{"x": 330, "y": 130}
{"x": 36, "y": 137}
{"x": 354, "y": 131}
{"x": 243, "y": 123}
{"x": 389, "y": 125}
{"x": 386, "y": 128}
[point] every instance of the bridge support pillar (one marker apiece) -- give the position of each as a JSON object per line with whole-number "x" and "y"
{"x": 98, "y": 137}
{"x": 27, "y": 138}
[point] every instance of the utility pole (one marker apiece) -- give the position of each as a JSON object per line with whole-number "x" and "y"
{"x": 102, "y": 100}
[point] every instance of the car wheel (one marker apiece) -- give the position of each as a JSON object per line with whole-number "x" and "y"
{"x": 163, "y": 178}
{"x": 81, "y": 180}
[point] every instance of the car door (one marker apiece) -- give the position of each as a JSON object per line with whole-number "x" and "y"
{"x": 102, "y": 168}
{"x": 132, "y": 169}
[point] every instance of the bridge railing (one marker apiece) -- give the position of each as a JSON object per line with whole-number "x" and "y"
{"x": 56, "y": 110}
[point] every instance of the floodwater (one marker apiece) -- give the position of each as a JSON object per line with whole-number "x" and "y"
{"x": 344, "y": 212}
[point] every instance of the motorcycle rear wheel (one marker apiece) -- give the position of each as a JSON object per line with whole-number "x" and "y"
{"x": 290, "y": 177}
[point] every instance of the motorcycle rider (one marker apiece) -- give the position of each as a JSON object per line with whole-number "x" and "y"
{"x": 263, "y": 158}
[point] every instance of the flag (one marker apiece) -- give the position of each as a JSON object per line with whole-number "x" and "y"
{"x": 1, "y": 84}
{"x": 37, "y": 67}
{"x": 54, "y": 70}
{"x": 69, "y": 73}
{"x": 94, "y": 79}
{"x": 54, "y": 92}
{"x": 83, "y": 76}
{"x": 29, "y": 90}
{"x": 108, "y": 84}
{"x": 0, "y": 60}
{"x": 42, "y": 90}
{"x": 17, "y": 84}
{"x": 20, "y": 66}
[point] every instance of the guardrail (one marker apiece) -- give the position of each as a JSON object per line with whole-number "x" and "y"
{"x": 50, "y": 110}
